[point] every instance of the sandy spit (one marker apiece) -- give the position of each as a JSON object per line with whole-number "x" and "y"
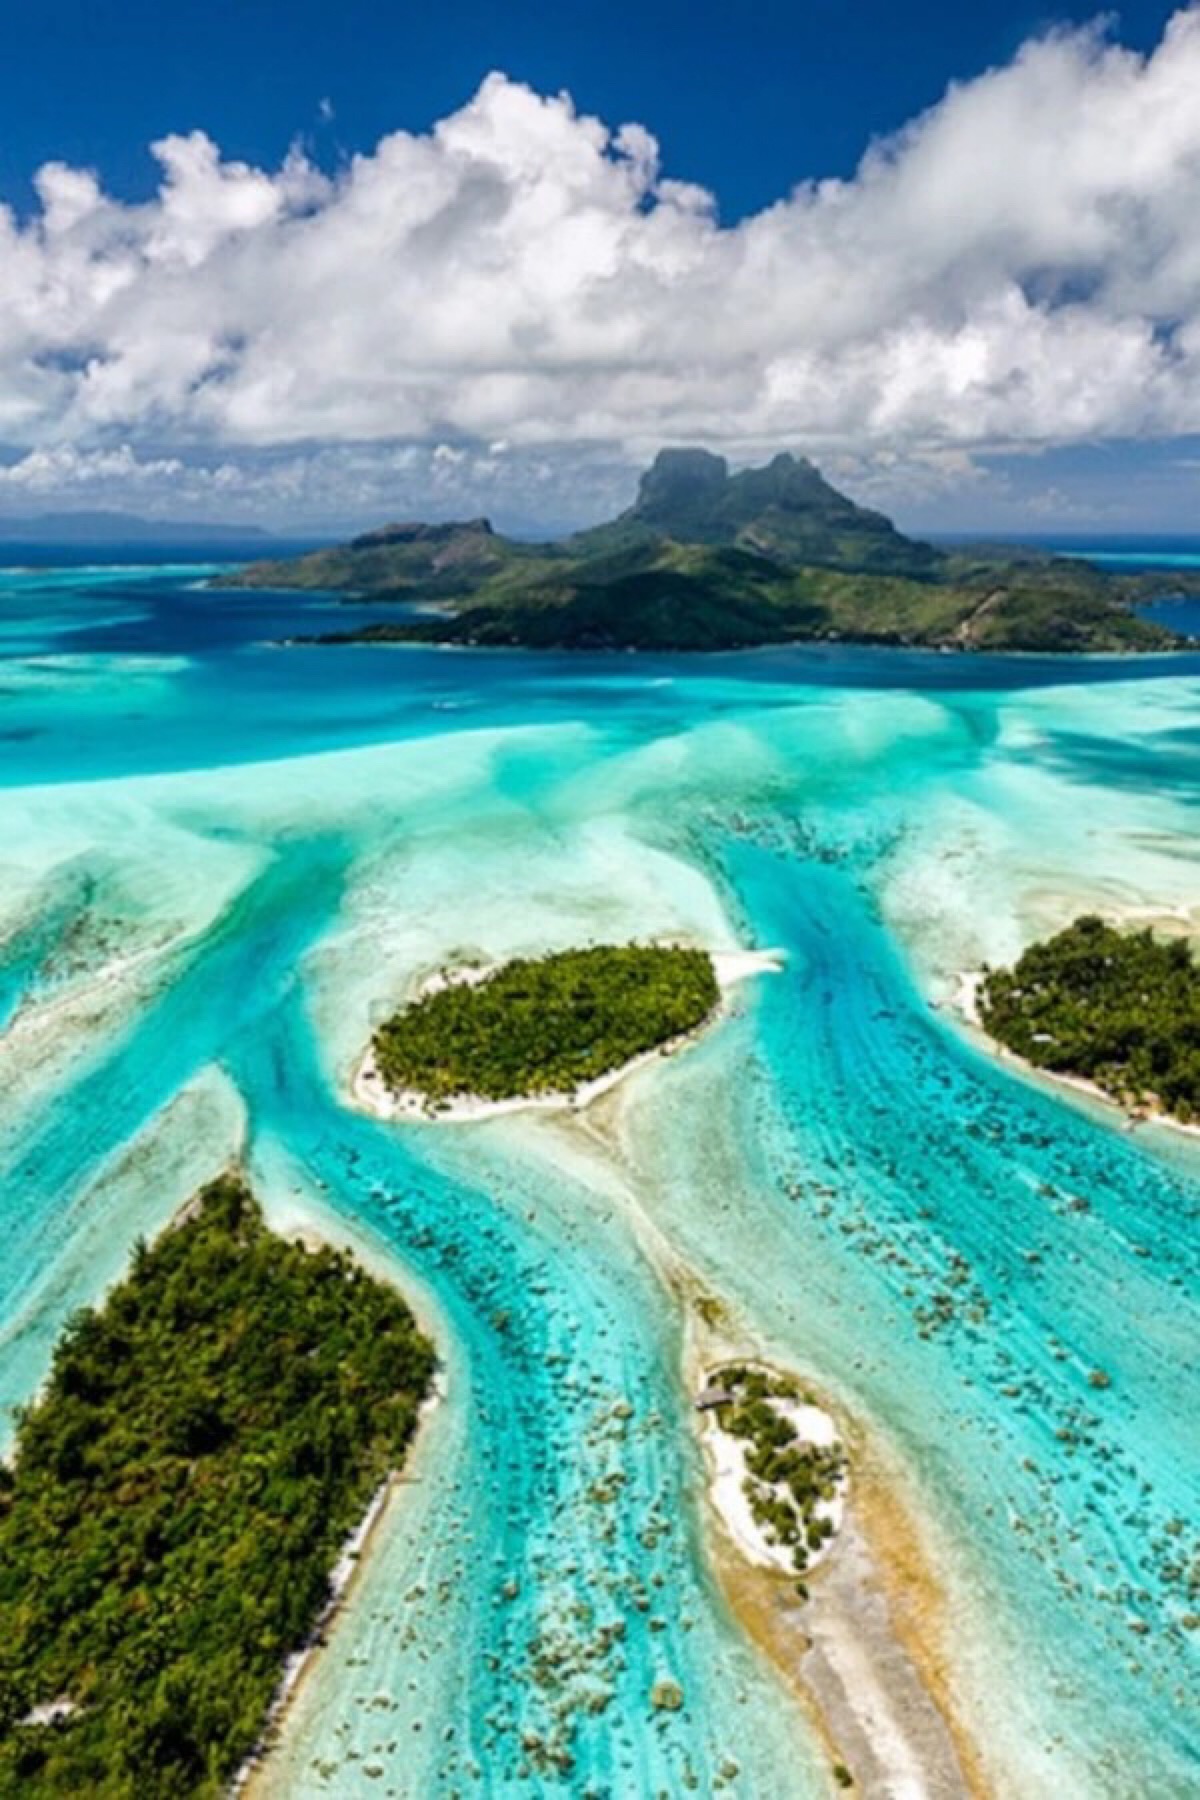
{"x": 863, "y": 1654}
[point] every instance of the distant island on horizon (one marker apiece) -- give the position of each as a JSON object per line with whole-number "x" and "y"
{"x": 706, "y": 559}
{"x": 114, "y": 527}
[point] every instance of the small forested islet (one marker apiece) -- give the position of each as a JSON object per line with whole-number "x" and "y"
{"x": 545, "y": 1025}
{"x": 1117, "y": 1008}
{"x": 207, "y": 1440}
{"x": 789, "y": 1483}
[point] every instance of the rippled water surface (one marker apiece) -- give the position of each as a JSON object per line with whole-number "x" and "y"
{"x": 223, "y": 859}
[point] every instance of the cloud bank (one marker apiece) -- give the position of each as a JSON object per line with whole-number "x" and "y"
{"x": 1019, "y": 267}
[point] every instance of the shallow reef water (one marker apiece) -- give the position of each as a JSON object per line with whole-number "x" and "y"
{"x": 224, "y": 859}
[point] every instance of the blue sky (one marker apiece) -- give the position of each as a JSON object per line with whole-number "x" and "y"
{"x": 745, "y": 99}
{"x": 357, "y": 276}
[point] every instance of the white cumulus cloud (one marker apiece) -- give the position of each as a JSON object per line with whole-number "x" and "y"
{"x": 1020, "y": 266}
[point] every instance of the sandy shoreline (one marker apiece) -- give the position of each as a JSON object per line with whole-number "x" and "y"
{"x": 965, "y": 1006}
{"x": 354, "y": 1554}
{"x": 874, "y": 1682}
{"x": 863, "y": 1653}
{"x": 353, "y": 1559}
{"x": 371, "y": 1094}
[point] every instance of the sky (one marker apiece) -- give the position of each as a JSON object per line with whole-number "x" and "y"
{"x": 314, "y": 265}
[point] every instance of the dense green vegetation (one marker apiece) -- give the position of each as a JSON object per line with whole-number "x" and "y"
{"x": 674, "y": 597}
{"x": 706, "y": 560}
{"x": 719, "y": 600}
{"x": 546, "y": 1025}
{"x": 1121, "y": 1008}
{"x": 785, "y": 511}
{"x": 786, "y": 1481}
{"x": 435, "y": 562}
{"x": 207, "y": 1440}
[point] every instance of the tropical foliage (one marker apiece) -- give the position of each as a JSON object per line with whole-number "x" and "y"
{"x": 1121, "y": 1008}
{"x": 546, "y": 1025}
{"x": 207, "y": 1440}
{"x": 787, "y": 1480}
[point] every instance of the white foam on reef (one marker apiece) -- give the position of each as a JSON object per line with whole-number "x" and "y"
{"x": 371, "y": 1092}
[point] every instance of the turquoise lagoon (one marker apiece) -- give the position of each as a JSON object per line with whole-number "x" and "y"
{"x": 223, "y": 859}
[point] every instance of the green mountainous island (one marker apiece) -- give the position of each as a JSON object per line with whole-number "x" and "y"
{"x": 709, "y": 560}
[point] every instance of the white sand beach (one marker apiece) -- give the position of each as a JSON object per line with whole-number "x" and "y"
{"x": 350, "y": 1564}
{"x": 371, "y": 1093}
{"x": 727, "y": 1462}
{"x": 965, "y": 1005}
